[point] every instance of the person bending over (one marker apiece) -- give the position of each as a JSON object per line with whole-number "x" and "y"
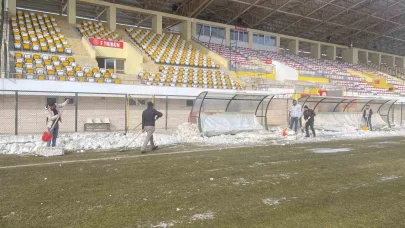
{"x": 53, "y": 117}
{"x": 309, "y": 116}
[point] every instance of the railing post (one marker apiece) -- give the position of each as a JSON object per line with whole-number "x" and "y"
{"x": 76, "y": 110}
{"x": 16, "y": 113}
{"x": 126, "y": 113}
{"x": 167, "y": 111}
{"x": 401, "y": 112}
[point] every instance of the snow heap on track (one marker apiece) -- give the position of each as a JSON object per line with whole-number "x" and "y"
{"x": 185, "y": 134}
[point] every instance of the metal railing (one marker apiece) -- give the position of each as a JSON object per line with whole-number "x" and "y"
{"x": 25, "y": 110}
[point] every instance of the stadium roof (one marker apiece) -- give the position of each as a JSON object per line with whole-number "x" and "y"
{"x": 370, "y": 24}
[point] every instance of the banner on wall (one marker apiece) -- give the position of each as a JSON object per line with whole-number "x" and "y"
{"x": 106, "y": 43}
{"x": 323, "y": 93}
{"x": 240, "y": 28}
{"x": 267, "y": 61}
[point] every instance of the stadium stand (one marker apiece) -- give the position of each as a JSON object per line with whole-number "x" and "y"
{"x": 41, "y": 52}
{"x": 336, "y": 71}
{"x": 170, "y": 48}
{"x": 182, "y": 64}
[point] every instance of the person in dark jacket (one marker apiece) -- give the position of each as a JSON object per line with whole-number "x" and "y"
{"x": 149, "y": 116}
{"x": 367, "y": 114}
{"x": 309, "y": 116}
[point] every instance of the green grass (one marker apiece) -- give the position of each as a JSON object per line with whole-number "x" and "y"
{"x": 312, "y": 190}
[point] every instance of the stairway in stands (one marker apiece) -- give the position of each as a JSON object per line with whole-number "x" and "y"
{"x": 75, "y": 39}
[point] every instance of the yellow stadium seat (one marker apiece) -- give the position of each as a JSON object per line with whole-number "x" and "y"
{"x": 18, "y": 54}
{"x": 100, "y": 80}
{"x": 18, "y": 76}
{"x": 62, "y": 78}
{"x": 81, "y": 79}
{"x": 26, "y": 46}
{"x": 41, "y": 77}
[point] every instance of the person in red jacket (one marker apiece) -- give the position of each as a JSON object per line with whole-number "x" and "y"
{"x": 309, "y": 116}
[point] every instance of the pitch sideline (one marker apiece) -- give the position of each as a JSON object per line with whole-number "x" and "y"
{"x": 111, "y": 158}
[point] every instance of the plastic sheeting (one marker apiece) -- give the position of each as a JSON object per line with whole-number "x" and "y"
{"x": 228, "y": 123}
{"x": 344, "y": 121}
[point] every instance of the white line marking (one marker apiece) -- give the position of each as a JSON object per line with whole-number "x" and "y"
{"x": 115, "y": 157}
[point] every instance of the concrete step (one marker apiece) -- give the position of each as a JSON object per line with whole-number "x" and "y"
{"x": 75, "y": 40}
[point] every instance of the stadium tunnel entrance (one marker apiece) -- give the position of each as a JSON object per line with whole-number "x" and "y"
{"x": 348, "y": 109}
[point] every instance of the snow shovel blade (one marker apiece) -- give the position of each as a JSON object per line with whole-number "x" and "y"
{"x": 46, "y": 136}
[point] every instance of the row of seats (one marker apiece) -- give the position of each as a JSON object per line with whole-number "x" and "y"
{"x": 170, "y": 48}
{"x": 38, "y": 32}
{"x": 335, "y": 70}
{"x": 97, "y": 30}
{"x": 189, "y": 77}
{"x": 63, "y": 68}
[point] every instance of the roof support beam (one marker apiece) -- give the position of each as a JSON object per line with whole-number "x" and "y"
{"x": 192, "y": 8}
{"x": 364, "y": 18}
{"x": 243, "y": 11}
{"x": 274, "y": 11}
{"x": 314, "y": 11}
{"x": 336, "y": 15}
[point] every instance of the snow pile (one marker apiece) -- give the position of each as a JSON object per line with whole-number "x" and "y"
{"x": 185, "y": 133}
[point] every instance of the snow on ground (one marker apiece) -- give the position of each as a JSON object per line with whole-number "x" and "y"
{"x": 393, "y": 177}
{"x": 330, "y": 150}
{"x": 208, "y": 215}
{"x": 277, "y": 201}
{"x": 185, "y": 134}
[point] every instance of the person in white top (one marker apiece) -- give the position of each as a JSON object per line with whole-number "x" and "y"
{"x": 53, "y": 117}
{"x": 294, "y": 114}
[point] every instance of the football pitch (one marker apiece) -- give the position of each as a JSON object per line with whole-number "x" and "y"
{"x": 351, "y": 183}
